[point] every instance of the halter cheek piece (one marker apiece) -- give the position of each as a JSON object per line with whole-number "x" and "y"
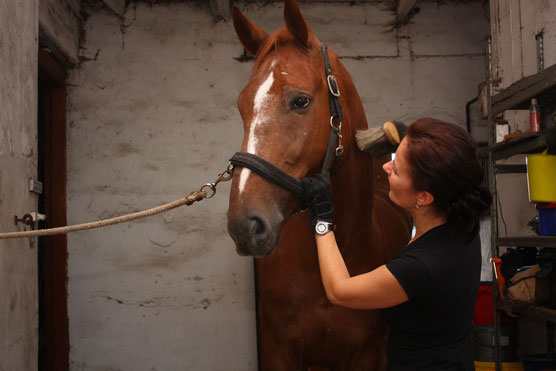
{"x": 285, "y": 180}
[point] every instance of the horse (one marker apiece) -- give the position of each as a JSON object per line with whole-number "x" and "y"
{"x": 285, "y": 108}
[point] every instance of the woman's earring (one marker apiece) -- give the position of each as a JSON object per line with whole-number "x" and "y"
{"x": 416, "y": 206}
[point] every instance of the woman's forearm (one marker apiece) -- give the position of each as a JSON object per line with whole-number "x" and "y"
{"x": 333, "y": 269}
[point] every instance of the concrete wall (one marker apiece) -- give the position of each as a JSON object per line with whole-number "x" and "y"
{"x": 152, "y": 117}
{"x": 18, "y": 163}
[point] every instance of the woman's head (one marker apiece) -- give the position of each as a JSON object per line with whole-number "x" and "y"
{"x": 442, "y": 160}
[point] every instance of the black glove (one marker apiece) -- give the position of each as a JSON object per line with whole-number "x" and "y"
{"x": 317, "y": 196}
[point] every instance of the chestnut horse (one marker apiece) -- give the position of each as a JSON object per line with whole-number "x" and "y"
{"x": 285, "y": 109}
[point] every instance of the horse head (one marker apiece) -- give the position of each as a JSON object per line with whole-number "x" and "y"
{"x": 285, "y": 110}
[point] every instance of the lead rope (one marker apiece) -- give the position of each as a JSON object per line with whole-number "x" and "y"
{"x": 201, "y": 194}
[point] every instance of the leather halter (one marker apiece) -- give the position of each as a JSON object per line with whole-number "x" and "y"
{"x": 285, "y": 180}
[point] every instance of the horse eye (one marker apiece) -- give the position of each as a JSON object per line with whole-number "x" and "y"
{"x": 301, "y": 102}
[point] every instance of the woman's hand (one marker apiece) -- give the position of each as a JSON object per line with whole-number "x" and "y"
{"x": 318, "y": 198}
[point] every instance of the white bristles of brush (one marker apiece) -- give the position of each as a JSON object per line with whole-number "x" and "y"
{"x": 380, "y": 140}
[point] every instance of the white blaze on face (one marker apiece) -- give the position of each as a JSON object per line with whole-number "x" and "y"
{"x": 260, "y": 117}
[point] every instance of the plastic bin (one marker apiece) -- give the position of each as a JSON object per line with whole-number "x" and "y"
{"x": 483, "y": 343}
{"x": 484, "y": 308}
{"x": 541, "y": 177}
{"x": 547, "y": 219}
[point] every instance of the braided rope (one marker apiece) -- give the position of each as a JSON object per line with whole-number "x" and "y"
{"x": 194, "y": 197}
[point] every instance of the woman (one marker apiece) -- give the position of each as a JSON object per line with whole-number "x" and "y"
{"x": 427, "y": 292}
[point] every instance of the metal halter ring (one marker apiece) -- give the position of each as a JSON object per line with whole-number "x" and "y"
{"x": 212, "y": 187}
{"x": 339, "y": 127}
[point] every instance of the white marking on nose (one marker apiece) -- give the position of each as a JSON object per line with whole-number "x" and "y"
{"x": 261, "y": 97}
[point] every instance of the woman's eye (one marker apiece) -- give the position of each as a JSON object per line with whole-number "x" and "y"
{"x": 301, "y": 102}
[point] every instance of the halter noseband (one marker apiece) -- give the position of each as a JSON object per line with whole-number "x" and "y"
{"x": 285, "y": 180}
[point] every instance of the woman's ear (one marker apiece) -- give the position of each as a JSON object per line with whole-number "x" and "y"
{"x": 424, "y": 198}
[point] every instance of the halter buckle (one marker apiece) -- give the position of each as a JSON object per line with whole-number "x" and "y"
{"x": 333, "y": 85}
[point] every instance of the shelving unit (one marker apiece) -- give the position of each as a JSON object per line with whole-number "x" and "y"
{"x": 542, "y": 86}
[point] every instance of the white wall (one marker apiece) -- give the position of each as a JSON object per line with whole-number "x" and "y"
{"x": 152, "y": 117}
{"x": 18, "y": 163}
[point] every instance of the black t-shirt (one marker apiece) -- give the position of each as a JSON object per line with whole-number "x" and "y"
{"x": 440, "y": 272}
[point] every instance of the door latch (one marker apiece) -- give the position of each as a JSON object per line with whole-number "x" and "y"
{"x": 29, "y": 219}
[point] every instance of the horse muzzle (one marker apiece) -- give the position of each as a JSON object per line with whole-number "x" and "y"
{"x": 253, "y": 233}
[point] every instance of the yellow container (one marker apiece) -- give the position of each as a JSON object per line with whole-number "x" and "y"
{"x": 506, "y": 366}
{"x": 541, "y": 177}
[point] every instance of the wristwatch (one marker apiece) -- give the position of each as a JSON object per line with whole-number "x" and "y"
{"x": 323, "y": 227}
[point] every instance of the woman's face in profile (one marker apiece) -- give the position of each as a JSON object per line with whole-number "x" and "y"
{"x": 401, "y": 189}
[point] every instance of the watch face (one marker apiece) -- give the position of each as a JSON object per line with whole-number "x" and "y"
{"x": 321, "y": 227}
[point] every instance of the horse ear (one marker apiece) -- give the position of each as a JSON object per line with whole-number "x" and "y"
{"x": 250, "y": 35}
{"x": 295, "y": 22}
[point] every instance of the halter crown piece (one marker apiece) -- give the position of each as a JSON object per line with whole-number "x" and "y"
{"x": 285, "y": 180}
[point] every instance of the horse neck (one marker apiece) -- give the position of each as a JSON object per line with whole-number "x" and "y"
{"x": 353, "y": 187}
{"x": 353, "y": 181}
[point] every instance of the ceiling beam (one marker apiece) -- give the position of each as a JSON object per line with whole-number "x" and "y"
{"x": 404, "y": 11}
{"x": 117, "y": 6}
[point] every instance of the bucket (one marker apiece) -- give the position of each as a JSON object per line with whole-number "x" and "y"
{"x": 541, "y": 177}
{"x": 484, "y": 308}
{"x": 483, "y": 343}
{"x": 547, "y": 218}
{"x": 539, "y": 362}
{"x": 506, "y": 366}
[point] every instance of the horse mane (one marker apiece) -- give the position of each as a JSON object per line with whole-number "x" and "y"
{"x": 277, "y": 40}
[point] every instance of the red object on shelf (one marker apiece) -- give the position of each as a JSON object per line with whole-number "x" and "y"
{"x": 534, "y": 116}
{"x": 484, "y": 309}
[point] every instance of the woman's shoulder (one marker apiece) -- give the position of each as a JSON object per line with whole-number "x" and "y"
{"x": 443, "y": 244}
{"x": 446, "y": 234}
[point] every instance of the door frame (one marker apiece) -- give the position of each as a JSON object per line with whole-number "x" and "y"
{"x": 52, "y": 258}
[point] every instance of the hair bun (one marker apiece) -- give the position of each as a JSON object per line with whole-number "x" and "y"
{"x": 467, "y": 209}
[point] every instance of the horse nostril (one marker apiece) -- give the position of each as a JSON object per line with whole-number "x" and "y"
{"x": 259, "y": 228}
{"x": 254, "y": 233}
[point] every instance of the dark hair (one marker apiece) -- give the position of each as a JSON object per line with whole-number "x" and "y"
{"x": 443, "y": 161}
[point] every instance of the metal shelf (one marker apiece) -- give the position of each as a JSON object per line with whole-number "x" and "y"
{"x": 518, "y": 95}
{"x": 532, "y": 241}
{"x": 510, "y": 169}
{"x": 544, "y": 313}
{"x": 524, "y": 144}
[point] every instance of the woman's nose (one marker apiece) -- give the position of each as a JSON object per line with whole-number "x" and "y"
{"x": 387, "y": 166}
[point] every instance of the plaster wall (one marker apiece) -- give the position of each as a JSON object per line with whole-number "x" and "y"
{"x": 515, "y": 23}
{"x": 18, "y": 163}
{"x": 152, "y": 116}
